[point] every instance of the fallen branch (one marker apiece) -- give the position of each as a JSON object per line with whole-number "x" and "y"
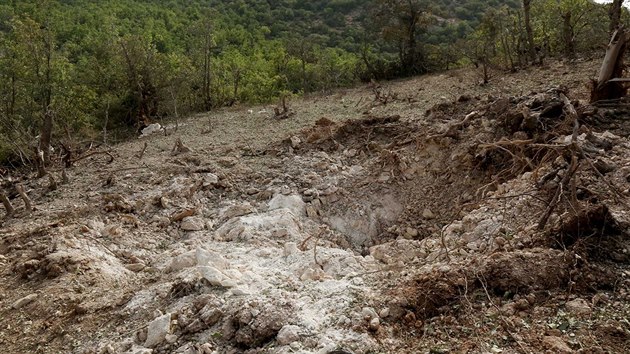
{"x": 111, "y": 157}
{"x": 183, "y": 214}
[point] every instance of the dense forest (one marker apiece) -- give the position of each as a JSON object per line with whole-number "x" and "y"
{"x": 81, "y": 68}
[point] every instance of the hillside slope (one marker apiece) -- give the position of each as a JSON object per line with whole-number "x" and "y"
{"x": 382, "y": 219}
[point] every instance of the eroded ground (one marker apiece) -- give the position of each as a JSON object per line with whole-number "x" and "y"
{"x": 437, "y": 216}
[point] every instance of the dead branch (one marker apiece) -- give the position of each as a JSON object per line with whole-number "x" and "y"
{"x": 450, "y": 131}
{"x": 180, "y": 148}
{"x": 179, "y": 216}
{"x": 111, "y": 157}
{"x": 27, "y": 201}
{"x": 141, "y": 153}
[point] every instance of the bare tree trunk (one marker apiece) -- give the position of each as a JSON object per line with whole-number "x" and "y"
{"x": 174, "y": 108}
{"x": 46, "y": 136}
{"x": 614, "y": 13}
{"x": 531, "y": 47}
{"x": 612, "y": 67}
{"x": 39, "y": 163}
{"x": 105, "y": 124}
{"x": 567, "y": 33}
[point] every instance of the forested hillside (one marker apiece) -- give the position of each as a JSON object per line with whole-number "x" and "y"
{"x": 81, "y": 67}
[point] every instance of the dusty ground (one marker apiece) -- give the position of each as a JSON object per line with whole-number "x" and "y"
{"x": 404, "y": 224}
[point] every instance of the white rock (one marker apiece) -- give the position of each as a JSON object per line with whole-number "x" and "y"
{"x": 182, "y": 261}
{"x": 350, "y": 153}
{"x": 428, "y": 214}
{"x": 290, "y": 248}
{"x": 384, "y": 312}
{"x": 288, "y": 334}
{"x": 24, "y": 301}
{"x": 295, "y": 141}
{"x": 136, "y": 349}
{"x": 375, "y": 324}
{"x": 151, "y": 129}
{"x": 291, "y": 202}
{"x": 192, "y": 223}
{"x": 368, "y": 313}
{"x": 205, "y": 257}
{"x": 135, "y": 267}
{"x": 157, "y": 331}
{"x": 212, "y": 275}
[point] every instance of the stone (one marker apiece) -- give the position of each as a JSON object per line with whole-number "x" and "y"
{"x": 135, "y": 267}
{"x": 384, "y": 312}
{"x": 24, "y": 301}
{"x": 213, "y": 276}
{"x": 151, "y": 129}
{"x": 136, "y": 349}
{"x": 295, "y": 141}
{"x": 157, "y": 330}
{"x": 350, "y": 153}
{"x": 368, "y": 313}
{"x": 428, "y": 214}
{"x": 291, "y": 202}
{"x": 375, "y": 324}
{"x": 410, "y": 232}
{"x": 170, "y": 338}
{"x": 192, "y": 223}
{"x": 311, "y": 212}
{"x": 237, "y": 210}
{"x": 288, "y": 334}
{"x": 205, "y": 257}
{"x": 556, "y": 345}
{"x": 290, "y": 248}
{"x": 578, "y": 307}
{"x": 182, "y": 261}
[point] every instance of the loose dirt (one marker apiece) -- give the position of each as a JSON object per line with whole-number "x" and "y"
{"x": 429, "y": 215}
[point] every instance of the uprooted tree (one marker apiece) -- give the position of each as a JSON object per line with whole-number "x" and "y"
{"x": 609, "y": 83}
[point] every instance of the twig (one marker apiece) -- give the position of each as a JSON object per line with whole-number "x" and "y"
{"x": 141, "y": 153}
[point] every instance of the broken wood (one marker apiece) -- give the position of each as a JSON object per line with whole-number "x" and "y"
{"x": 39, "y": 163}
{"x": 183, "y": 214}
{"x": 7, "y": 205}
{"x": 27, "y": 201}
{"x": 141, "y": 153}
{"x": 111, "y": 157}
{"x": 180, "y": 148}
{"x": 612, "y": 68}
{"x": 282, "y": 111}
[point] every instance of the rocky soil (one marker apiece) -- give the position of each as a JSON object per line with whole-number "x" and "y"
{"x": 430, "y": 215}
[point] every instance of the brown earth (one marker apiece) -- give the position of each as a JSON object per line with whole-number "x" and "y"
{"x": 408, "y": 221}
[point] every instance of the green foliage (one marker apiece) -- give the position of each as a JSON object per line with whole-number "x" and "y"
{"x": 115, "y": 64}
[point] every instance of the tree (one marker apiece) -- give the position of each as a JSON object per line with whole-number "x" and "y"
{"x": 401, "y": 23}
{"x": 614, "y": 13}
{"x": 531, "y": 46}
